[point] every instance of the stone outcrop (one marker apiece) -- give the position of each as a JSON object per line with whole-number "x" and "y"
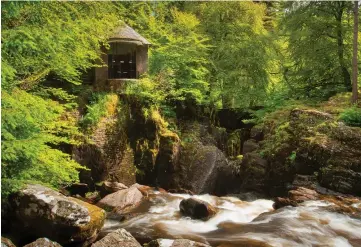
{"x": 108, "y": 187}
{"x": 175, "y": 243}
{"x": 295, "y": 197}
{"x": 108, "y": 155}
{"x": 6, "y": 242}
{"x": 117, "y": 238}
{"x": 43, "y": 212}
{"x": 196, "y": 209}
{"x": 122, "y": 199}
{"x": 310, "y": 142}
{"x": 43, "y": 242}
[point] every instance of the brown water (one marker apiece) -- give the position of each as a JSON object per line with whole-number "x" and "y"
{"x": 241, "y": 223}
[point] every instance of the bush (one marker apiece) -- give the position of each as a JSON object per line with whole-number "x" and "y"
{"x": 101, "y": 105}
{"x": 351, "y": 116}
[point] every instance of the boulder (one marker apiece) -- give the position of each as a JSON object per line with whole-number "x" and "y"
{"x": 283, "y": 202}
{"x": 6, "y": 242}
{"x": 252, "y": 172}
{"x": 108, "y": 187}
{"x": 175, "y": 243}
{"x": 43, "y": 242}
{"x": 144, "y": 189}
{"x": 121, "y": 199}
{"x": 196, "y": 209}
{"x": 43, "y": 212}
{"x": 249, "y": 146}
{"x": 312, "y": 143}
{"x": 302, "y": 194}
{"x": 295, "y": 197}
{"x": 117, "y": 238}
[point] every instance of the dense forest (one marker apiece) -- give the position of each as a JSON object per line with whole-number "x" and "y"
{"x": 288, "y": 68}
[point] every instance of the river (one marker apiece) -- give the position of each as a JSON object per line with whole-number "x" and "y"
{"x": 240, "y": 223}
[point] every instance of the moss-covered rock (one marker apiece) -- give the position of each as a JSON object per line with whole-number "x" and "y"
{"x": 310, "y": 142}
{"x": 43, "y": 212}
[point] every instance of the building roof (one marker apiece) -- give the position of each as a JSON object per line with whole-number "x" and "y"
{"x": 128, "y": 34}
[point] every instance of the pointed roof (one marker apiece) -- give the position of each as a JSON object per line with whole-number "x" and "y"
{"x": 128, "y": 34}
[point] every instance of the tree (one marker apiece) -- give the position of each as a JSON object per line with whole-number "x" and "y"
{"x": 354, "y": 56}
{"x": 179, "y": 52}
{"x": 240, "y": 51}
{"x": 319, "y": 41}
{"x": 61, "y": 39}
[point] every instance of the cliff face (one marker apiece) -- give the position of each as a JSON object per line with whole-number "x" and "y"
{"x": 224, "y": 155}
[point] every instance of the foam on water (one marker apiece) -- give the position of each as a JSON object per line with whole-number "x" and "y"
{"x": 237, "y": 221}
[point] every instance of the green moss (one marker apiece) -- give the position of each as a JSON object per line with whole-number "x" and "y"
{"x": 97, "y": 218}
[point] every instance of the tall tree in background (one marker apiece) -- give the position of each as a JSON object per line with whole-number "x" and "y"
{"x": 354, "y": 57}
{"x": 319, "y": 46}
{"x": 239, "y": 53}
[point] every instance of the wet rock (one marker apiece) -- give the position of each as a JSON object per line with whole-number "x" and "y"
{"x": 108, "y": 187}
{"x": 117, "y": 238}
{"x": 283, "y": 202}
{"x": 295, "y": 197}
{"x": 121, "y": 199}
{"x": 77, "y": 189}
{"x": 6, "y": 242}
{"x": 144, "y": 189}
{"x": 175, "y": 243}
{"x": 201, "y": 164}
{"x": 302, "y": 194}
{"x": 43, "y": 212}
{"x": 249, "y": 146}
{"x": 348, "y": 205}
{"x": 196, "y": 209}
{"x": 43, "y": 242}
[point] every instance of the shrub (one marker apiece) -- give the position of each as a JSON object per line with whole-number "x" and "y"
{"x": 351, "y": 116}
{"x": 101, "y": 105}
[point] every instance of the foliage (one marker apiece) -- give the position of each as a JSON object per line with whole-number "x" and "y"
{"x": 42, "y": 41}
{"x": 32, "y": 128}
{"x": 319, "y": 47}
{"x": 352, "y": 116}
{"x": 178, "y": 56}
{"x": 100, "y": 105}
{"x": 63, "y": 38}
{"x": 237, "y": 36}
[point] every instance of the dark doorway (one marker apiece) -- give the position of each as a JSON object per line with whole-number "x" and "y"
{"x": 122, "y": 66}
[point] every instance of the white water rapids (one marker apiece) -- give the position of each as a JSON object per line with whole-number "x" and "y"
{"x": 241, "y": 223}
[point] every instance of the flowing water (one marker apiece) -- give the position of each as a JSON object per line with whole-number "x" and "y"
{"x": 241, "y": 223}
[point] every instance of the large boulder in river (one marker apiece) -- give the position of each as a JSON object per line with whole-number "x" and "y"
{"x": 161, "y": 242}
{"x": 43, "y": 212}
{"x": 117, "y": 238}
{"x": 43, "y": 242}
{"x": 196, "y": 209}
{"x": 312, "y": 142}
{"x": 122, "y": 199}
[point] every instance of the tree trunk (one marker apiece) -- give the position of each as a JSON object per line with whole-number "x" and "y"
{"x": 354, "y": 56}
{"x": 340, "y": 51}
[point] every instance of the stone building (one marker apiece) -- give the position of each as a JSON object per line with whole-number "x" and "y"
{"x": 127, "y": 57}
